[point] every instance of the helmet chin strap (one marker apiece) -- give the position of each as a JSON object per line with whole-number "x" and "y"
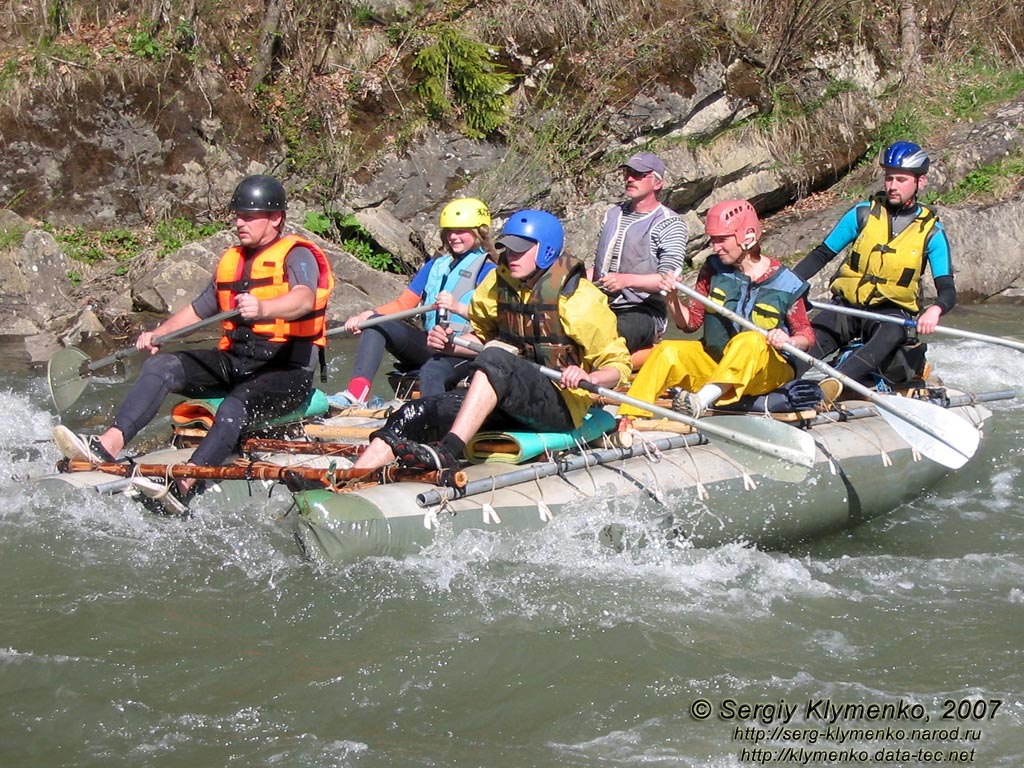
{"x": 917, "y": 189}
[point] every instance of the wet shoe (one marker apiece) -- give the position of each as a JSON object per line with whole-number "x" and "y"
{"x": 158, "y": 498}
{"x": 688, "y": 404}
{"x": 831, "y": 390}
{"x": 425, "y": 456}
{"x": 81, "y": 447}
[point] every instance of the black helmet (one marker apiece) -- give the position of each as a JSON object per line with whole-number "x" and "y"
{"x": 258, "y": 193}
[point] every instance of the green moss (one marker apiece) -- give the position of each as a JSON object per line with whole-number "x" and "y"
{"x": 93, "y": 246}
{"x": 344, "y": 229}
{"x": 981, "y": 83}
{"x": 172, "y": 234}
{"x": 11, "y": 237}
{"x": 121, "y": 245}
{"x": 984, "y": 182}
{"x": 907, "y": 123}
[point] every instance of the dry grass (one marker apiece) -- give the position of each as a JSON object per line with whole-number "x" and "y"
{"x": 789, "y": 27}
{"x": 571, "y": 25}
{"x": 584, "y": 60}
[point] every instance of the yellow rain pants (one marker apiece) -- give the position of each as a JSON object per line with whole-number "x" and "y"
{"x": 749, "y": 365}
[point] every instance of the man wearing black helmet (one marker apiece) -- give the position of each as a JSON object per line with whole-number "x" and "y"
{"x": 893, "y": 237}
{"x": 265, "y": 360}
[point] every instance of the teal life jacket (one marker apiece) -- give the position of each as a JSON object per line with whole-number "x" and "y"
{"x": 459, "y": 278}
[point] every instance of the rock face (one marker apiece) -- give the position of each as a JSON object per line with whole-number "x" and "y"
{"x": 117, "y": 152}
{"x": 128, "y": 150}
{"x": 36, "y": 316}
{"x": 32, "y": 274}
{"x": 986, "y": 245}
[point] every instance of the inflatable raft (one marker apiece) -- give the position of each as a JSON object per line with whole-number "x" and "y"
{"x": 678, "y": 484}
{"x": 687, "y": 488}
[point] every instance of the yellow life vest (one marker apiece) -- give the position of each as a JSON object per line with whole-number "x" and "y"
{"x": 885, "y": 269}
{"x": 267, "y": 279}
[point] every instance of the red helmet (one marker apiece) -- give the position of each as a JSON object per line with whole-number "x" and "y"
{"x": 734, "y": 217}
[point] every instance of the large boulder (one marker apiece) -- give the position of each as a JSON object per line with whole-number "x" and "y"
{"x": 33, "y": 272}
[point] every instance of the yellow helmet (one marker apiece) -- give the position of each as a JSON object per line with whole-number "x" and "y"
{"x": 465, "y": 213}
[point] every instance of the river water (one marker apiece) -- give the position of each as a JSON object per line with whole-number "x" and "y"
{"x": 135, "y": 640}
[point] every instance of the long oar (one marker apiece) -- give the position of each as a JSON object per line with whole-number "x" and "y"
{"x": 932, "y": 431}
{"x": 750, "y": 439}
{"x": 909, "y": 323}
{"x": 68, "y": 370}
{"x": 372, "y": 321}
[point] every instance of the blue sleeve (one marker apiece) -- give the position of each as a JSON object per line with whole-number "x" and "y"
{"x": 937, "y": 251}
{"x": 485, "y": 270}
{"x": 846, "y": 231}
{"x": 419, "y": 280}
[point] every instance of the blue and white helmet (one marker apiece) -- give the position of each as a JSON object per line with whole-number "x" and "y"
{"x": 538, "y": 227}
{"x": 905, "y": 156}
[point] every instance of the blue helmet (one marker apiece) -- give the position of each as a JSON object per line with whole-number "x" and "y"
{"x": 541, "y": 227}
{"x": 905, "y": 156}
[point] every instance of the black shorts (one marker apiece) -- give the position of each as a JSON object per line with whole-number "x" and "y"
{"x": 527, "y": 399}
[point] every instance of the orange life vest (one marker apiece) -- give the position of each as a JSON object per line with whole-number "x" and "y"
{"x": 265, "y": 278}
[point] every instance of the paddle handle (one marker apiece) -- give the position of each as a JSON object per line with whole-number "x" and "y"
{"x": 675, "y": 273}
{"x": 908, "y": 323}
{"x": 121, "y": 354}
{"x": 703, "y": 426}
{"x": 405, "y": 314}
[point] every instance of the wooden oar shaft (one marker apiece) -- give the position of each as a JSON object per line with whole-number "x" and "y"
{"x": 338, "y": 432}
{"x": 703, "y": 426}
{"x": 315, "y": 447}
{"x": 908, "y": 323}
{"x": 853, "y": 384}
{"x": 267, "y": 471}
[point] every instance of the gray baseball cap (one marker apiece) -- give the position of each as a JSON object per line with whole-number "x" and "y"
{"x": 645, "y": 162}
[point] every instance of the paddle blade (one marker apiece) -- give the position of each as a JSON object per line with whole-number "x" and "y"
{"x": 64, "y": 376}
{"x": 794, "y": 448}
{"x": 949, "y": 439}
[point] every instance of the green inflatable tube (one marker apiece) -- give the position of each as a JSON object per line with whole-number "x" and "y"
{"x": 517, "y": 447}
{"x": 199, "y": 412}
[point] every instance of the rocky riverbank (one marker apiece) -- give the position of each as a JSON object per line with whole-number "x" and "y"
{"x": 129, "y": 147}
